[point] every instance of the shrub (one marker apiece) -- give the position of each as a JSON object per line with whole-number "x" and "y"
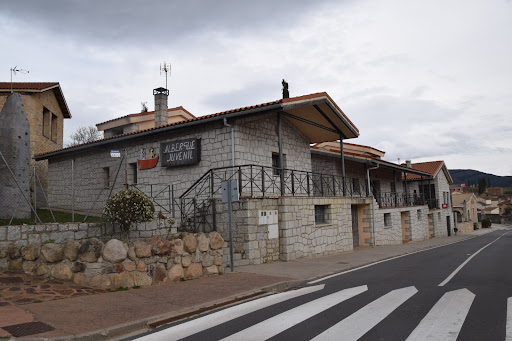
{"x": 129, "y": 206}
{"x": 486, "y": 223}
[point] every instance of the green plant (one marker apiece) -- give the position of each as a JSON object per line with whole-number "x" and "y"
{"x": 49, "y": 241}
{"x": 129, "y": 206}
{"x": 486, "y": 223}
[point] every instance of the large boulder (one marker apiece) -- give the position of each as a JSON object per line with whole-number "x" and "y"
{"x": 160, "y": 273}
{"x": 175, "y": 273}
{"x": 142, "y": 279}
{"x": 52, "y": 253}
{"x": 124, "y": 280}
{"x": 115, "y": 251}
{"x": 29, "y": 267}
{"x": 190, "y": 243}
{"x": 4, "y": 251}
{"x": 160, "y": 246}
{"x": 90, "y": 250}
{"x": 30, "y": 252}
{"x": 202, "y": 242}
{"x": 142, "y": 249}
{"x": 43, "y": 270}
{"x": 177, "y": 246}
{"x": 186, "y": 260}
{"x": 100, "y": 281}
{"x": 81, "y": 279}
{"x": 211, "y": 270}
{"x": 216, "y": 241}
{"x": 195, "y": 270}
{"x": 71, "y": 250}
{"x": 61, "y": 272}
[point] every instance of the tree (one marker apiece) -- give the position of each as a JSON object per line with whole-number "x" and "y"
{"x": 481, "y": 185}
{"x": 85, "y": 134}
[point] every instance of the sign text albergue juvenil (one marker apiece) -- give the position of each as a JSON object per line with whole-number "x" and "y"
{"x": 181, "y": 152}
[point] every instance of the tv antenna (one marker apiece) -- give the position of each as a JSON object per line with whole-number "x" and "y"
{"x": 166, "y": 67}
{"x": 14, "y": 70}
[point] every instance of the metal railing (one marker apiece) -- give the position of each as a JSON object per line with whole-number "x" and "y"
{"x": 400, "y": 199}
{"x": 163, "y": 196}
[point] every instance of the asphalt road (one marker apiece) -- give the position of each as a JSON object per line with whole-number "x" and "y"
{"x": 400, "y": 299}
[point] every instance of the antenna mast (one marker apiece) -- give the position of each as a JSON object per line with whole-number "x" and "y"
{"x": 166, "y": 67}
{"x": 14, "y": 70}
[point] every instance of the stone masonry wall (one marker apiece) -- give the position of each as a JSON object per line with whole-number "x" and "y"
{"x": 255, "y": 141}
{"x": 115, "y": 264}
{"x": 392, "y": 234}
{"x": 62, "y": 232}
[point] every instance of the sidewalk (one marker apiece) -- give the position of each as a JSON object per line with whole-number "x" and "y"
{"x": 28, "y": 306}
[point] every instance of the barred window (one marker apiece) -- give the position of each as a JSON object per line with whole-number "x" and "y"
{"x": 321, "y": 214}
{"x": 387, "y": 219}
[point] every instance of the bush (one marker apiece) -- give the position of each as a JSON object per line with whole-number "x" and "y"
{"x": 486, "y": 223}
{"x": 129, "y": 206}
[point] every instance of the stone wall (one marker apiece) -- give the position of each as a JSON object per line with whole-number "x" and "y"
{"x": 467, "y": 227}
{"x": 62, "y": 232}
{"x": 255, "y": 141}
{"x": 393, "y": 234}
{"x": 115, "y": 264}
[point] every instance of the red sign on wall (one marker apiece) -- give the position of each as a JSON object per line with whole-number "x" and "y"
{"x": 444, "y": 205}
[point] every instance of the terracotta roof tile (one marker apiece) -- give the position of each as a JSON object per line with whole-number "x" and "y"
{"x": 199, "y": 118}
{"x": 147, "y": 113}
{"x": 20, "y": 86}
{"x": 431, "y": 167}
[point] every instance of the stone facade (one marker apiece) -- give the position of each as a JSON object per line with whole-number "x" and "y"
{"x": 115, "y": 264}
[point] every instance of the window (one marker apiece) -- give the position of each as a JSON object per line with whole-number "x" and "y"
{"x": 439, "y": 215}
{"x": 321, "y": 214}
{"x": 387, "y": 219}
{"x": 419, "y": 214}
{"x": 54, "y": 128}
{"x": 133, "y": 172}
{"x": 276, "y": 165}
{"x": 106, "y": 177}
{"x": 47, "y": 117}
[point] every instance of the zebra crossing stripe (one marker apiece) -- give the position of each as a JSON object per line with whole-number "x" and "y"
{"x": 360, "y": 322}
{"x": 444, "y": 321}
{"x": 279, "y": 323}
{"x": 509, "y": 319}
{"x": 197, "y": 325}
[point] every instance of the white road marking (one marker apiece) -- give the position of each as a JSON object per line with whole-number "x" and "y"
{"x": 360, "y": 322}
{"x": 385, "y": 260}
{"x": 197, "y": 325}
{"x": 444, "y": 321}
{"x": 276, "y": 324}
{"x": 509, "y": 320}
{"x": 467, "y": 260}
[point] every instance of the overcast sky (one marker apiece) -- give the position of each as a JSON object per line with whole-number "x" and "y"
{"x": 422, "y": 80}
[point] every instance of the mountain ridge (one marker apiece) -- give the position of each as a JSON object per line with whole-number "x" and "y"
{"x": 467, "y": 176}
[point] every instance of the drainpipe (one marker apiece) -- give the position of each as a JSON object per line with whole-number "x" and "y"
{"x": 373, "y": 206}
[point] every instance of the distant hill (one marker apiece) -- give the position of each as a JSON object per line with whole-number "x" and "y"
{"x": 465, "y": 176}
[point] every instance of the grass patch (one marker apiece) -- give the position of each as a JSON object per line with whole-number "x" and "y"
{"x": 120, "y": 289}
{"x": 136, "y": 287}
{"x": 46, "y": 217}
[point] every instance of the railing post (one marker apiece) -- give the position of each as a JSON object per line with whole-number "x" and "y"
{"x": 293, "y": 184}
{"x": 252, "y": 181}
{"x": 263, "y": 181}
{"x": 195, "y": 213}
{"x": 333, "y": 186}
{"x": 307, "y": 181}
{"x": 214, "y": 215}
{"x": 321, "y": 184}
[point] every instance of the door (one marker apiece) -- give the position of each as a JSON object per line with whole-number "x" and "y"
{"x": 355, "y": 226}
{"x": 448, "y": 225}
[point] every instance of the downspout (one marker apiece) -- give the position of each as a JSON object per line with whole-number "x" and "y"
{"x": 373, "y": 206}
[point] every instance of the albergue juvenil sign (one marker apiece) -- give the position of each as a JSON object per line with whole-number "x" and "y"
{"x": 181, "y": 152}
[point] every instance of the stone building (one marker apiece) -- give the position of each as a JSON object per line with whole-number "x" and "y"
{"x": 295, "y": 201}
{"x": 465, "y": 210}
{"x": 46, "y": 110}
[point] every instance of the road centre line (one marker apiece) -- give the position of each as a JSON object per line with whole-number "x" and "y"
{"x": 467, "y": 260}
{"x": 508, "y": 336}
{"x": 387, "y": 260}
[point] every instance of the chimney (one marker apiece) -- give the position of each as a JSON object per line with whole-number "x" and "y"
{"x": 408, "y": 163}
{"x": 161, "y": 96}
